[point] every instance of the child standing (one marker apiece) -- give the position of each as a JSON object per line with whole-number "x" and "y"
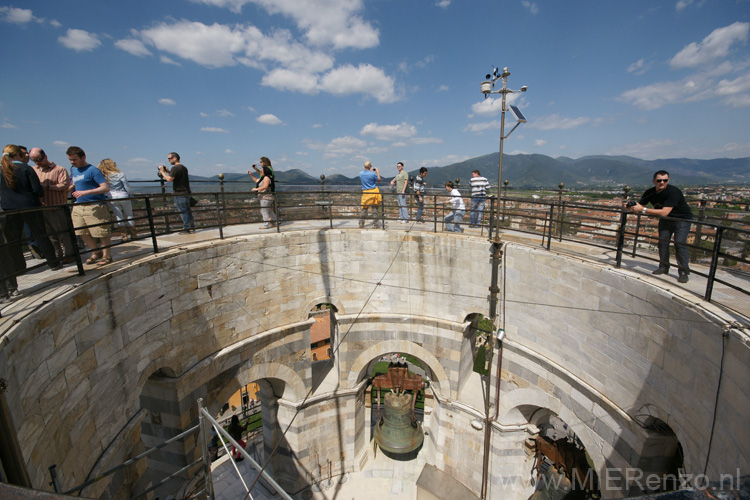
{"x": 453, "y": 219}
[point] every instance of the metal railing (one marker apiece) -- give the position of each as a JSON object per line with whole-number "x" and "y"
{"x": 205, "y": 420}
{"x": 720, "y": 250}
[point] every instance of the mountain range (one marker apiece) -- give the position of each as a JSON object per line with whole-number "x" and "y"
{"x": 540, "y": 171}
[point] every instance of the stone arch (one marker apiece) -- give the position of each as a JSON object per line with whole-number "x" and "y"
{"x": 304, "y": 312}
{"x": 356, "y": 373}
{"x": 522, "y": 404}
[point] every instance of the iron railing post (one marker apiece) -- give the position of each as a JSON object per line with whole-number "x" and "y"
{"x": 330, "y": 209}
{"x": 218, "y": 213}
{"x": 551, "y": 220}
{"x": 621, "y": 237}
{"x": 635, "y": 236}
{"x": 562, "y": 221}
{"x": 714, "y": 263}
{"x": 151, "y": 227}
{"x": 434, "y": 212}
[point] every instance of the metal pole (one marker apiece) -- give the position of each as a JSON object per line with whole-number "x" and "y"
{"x": 151, "y": 227}
{"x": 218, "y": 215}
{"x": 621, "y": 238}
{"x": 714, "y": 263}
{"x": 203, "y": 436}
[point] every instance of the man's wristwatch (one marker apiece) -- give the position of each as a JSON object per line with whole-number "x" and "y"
{"x": 644, "y": 211}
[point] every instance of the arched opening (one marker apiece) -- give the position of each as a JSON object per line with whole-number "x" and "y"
{"x": 393, "y": 377}
{"x": 561, "y": 468}
{"x": 660, "y": 459}
{"x": 322, "y": 340}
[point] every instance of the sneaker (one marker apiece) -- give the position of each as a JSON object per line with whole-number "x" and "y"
{"x": 361, "y": 224}
{"x": 14, "y": 294}
{"x": 185, "y": 231}
{"x": 266, "y": 226}
{"x": 683, "y": 278}
{"x": 5, "y": 299}
{"x": 660, "y": 270}
{"x": 404, "y": 221}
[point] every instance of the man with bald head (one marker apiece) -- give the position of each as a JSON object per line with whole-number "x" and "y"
{"x": 371, "y": 197}
{"x": 55, "y": 181}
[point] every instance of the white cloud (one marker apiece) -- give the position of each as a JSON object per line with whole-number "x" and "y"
{"x": 478, "y": 128}
{"x": 426, "y": 140}
{"x": 168, "y": 60}
{"x": 269, "y": 119}
{"x": 79, "y": 40}
{"x": 7, "y": 125}
{"x": 225, "y": 113}
{"x": 540, "y": 142}
{"x": 531, "y": 6}
{"x": 133, "y": 47}
{"x": 443, "y": 88}
{"x": 443, "y": 3}
{"x": 652, "y": 148}
{"x": 338, "y": 24}
{"x": 55, "y": 23}
{"x": 15, "y": 15}
{"x": 228, "y": 151}
{"x": 167, "y": 102}
{"x": 61, "y": 144}
{"x": 365, "y": 79}
{"x": 214, "y": 129}
{"x": 714, "y": 46}
{"x": 341, "y": 146}
{"x": 639, "y": 67}
{"x": 492, "y": 106}
{"x": 284, "y": 79}
{"x": 557, "y": 122}
{"x": 389, "y": 132}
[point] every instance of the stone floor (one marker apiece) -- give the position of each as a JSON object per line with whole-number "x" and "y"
{"x": 42, "y": 284}
{"x": 382, "y": 478}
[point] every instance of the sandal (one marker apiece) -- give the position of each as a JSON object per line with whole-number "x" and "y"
{"x": 104, "y": 261}
{"x": 94, "y": 257}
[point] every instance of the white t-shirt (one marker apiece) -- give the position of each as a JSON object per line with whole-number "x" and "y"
{"x": 456, "y": 201}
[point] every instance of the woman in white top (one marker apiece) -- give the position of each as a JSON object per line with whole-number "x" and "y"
{"x": 453, "y": 219}
{"x": 119, "y": 191}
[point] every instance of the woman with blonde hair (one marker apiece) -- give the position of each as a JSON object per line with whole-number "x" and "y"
{"x": 20, "y": 189}
{"x": 119, "y": 190}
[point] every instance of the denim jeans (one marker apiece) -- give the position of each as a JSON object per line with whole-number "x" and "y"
{"x": 477, "y": 207}
{"x": 680, "y": 230}
{"x": 420, "y": 206}
{"x": 183, "y": 206}
{"x": 453, "y": 221}
{"x": 403, "y": 212}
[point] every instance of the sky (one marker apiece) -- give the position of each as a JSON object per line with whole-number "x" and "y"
{"x": 323, "y": 85}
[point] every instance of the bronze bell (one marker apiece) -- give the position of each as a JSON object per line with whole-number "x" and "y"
{"x": 398, "y": 430}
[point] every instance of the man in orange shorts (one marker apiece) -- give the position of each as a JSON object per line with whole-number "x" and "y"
{"x": 371, "y": 197}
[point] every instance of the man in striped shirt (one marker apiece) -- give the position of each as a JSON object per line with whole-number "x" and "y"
{"x": 55, "y": 181}
{"x": 479, "y": 187}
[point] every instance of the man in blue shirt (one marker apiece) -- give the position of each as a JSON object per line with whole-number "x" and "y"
{"x": 91, "y": 220}
{"x": 371, "y": 196}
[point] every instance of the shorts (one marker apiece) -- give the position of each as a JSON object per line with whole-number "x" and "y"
{"x": 89, "y": 215}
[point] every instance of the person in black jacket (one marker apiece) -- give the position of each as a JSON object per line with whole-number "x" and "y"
{"x": 669, "y": 204}
{"x": 20, "y": 189}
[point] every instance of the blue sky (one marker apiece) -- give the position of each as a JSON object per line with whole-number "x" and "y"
{"x": 323, "y": 85}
